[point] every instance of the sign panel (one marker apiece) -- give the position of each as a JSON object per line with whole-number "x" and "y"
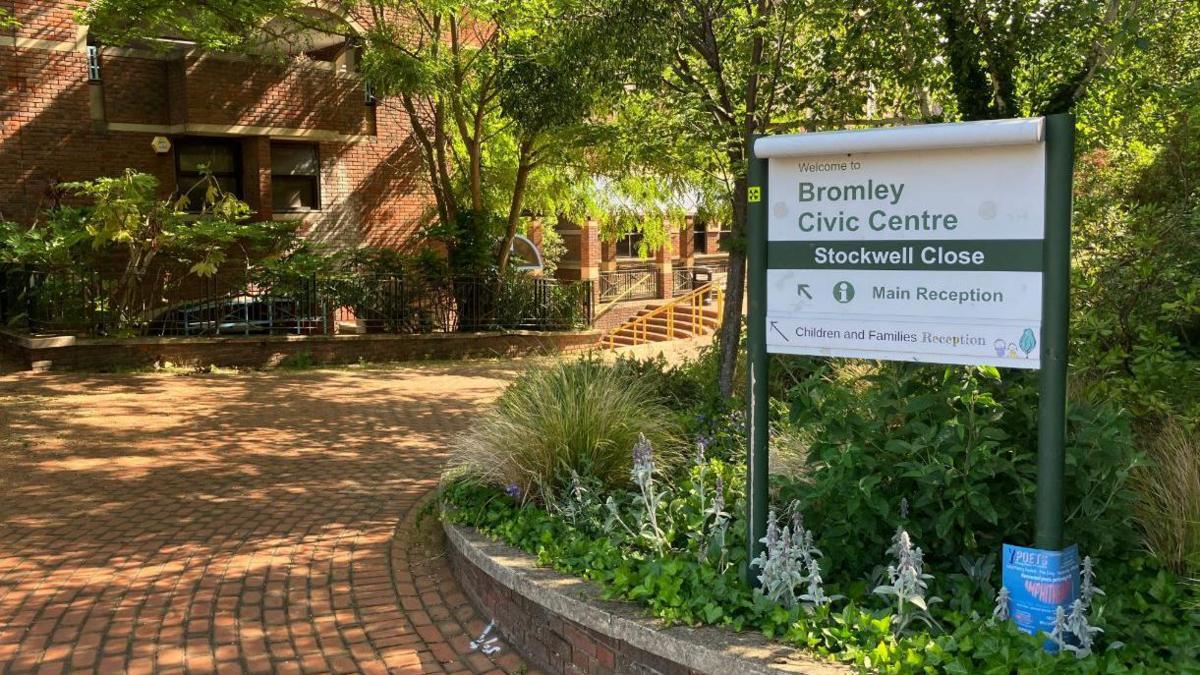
{"x": 910, "y": 251}
{"x": 1039, "y": 582}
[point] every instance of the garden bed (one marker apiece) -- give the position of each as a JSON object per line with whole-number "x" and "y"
{"x": 563, "y": 624}
{"x": 898, "y": 488}
{"x": 104, "y": 354}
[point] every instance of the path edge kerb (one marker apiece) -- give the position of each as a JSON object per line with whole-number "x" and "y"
{"x": 623, "y": 624}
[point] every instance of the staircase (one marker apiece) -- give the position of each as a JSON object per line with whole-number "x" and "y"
{"x": 692, "y": 315}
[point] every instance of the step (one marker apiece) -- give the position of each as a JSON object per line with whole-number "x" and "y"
{"x": 678, "y": 325}
{"x": 620, "y": 341}
{"x": 657, "y": 325}
{"x": 654, "y": 334}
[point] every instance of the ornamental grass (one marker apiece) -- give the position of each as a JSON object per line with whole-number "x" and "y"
{"x": 1168, "y": 504}
{"x": 574, "y": 419}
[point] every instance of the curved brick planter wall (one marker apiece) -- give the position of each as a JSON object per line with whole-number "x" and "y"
{"x": 561, "y": 623}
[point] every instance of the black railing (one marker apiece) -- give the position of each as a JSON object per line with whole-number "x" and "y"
{"x": 414, "y": 304}
{"x": 632, "y": 284}
{"x": 717, "y": 264}
{"x": 62, "y": 301}
{"x": 682, "y": 280}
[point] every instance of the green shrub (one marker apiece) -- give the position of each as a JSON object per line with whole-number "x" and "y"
{"x": 1168, "y": 505}
{"x": 1146, "y": 609}
{"x": 578, "y": 417}
{"x": 1136, "y": 278}
{"x": 959, "y": 445}
{"x": 677, "y": 386}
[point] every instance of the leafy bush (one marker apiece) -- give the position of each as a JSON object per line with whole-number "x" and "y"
{"x": 1168, "y": 505}
{"x": 125, "y": 236}
{"x": 1147, "y": 609}
{"x": 675, "y": 385}
{"x": 577, "y": 418}
{"x": 1136, "y": 267}
{"x": 959, "y": 445}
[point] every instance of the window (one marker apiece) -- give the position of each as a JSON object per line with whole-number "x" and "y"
{"x": 295, "y": 177}
{"x": 198, "y": 158}
{"x": 93, "y": 63}
{"x": 629, "y": 245}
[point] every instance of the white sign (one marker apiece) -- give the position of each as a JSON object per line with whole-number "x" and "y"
{"x": 916, "y": 244}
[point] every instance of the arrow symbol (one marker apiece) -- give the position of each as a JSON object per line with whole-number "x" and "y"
{"x": 775, "y": 327}
{"x": 802, "y": 289}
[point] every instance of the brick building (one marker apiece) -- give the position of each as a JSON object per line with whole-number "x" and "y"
{"x": 294, "y": 133}
{"x": 296, "y": 136}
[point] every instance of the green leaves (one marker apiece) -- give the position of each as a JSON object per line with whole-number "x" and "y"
{"x": 1147, "y": 609}
{"x": 958, "y": 445}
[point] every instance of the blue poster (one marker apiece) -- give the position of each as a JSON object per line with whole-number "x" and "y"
{"x": 1039, "y": 581}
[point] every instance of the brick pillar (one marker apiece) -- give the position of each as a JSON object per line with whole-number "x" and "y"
{"x": 582, "y": 258}
{"x": 589, "y": 259}
{"x": 535, "y": 232}
{"x": 608, "y": 256}
{"x": 256, "y": 176}
{"x": 712, "y": 239}
{"x": 662, "y": 261}
{"x": 687, "y": 243}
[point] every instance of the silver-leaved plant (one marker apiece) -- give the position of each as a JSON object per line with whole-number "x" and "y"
{"x": 1072, "y": 631}
{"x": 908, "y": 584}
{"x": 789, "y": 562}
{"x": 643, "y": 476}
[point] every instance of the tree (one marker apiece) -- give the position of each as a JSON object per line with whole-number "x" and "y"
{"x": 733, "y": 70}
{"x": 124, "y": 221}
{"x": 1001, "y": 58}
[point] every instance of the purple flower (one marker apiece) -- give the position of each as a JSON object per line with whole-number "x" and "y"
{"x": 701, "y": 446}
{"x": 513, "y": 490}
{"x": 643, "y": 455}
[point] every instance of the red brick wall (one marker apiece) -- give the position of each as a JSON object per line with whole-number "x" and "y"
{"x": 248, "y": 352}
{"x": 551, "y": 641}
{"x": 295, "y": 96}
{"x": 135, "y": 90}
{"x": 49, "y": 136}
{"x": 372, "y": 190}
{"x": 45, "y": 19}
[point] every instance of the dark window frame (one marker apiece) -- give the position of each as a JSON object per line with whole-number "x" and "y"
{"x": 190, "y": 178}
{"x": 316, "y": 178}
{"x": 631, "y": 242}
{"x": 95, "y": 74}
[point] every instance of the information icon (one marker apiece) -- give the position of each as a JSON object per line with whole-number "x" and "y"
{"x": 843, "y": 291}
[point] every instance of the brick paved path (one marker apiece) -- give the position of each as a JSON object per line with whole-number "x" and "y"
{"x": 232, "y": 522}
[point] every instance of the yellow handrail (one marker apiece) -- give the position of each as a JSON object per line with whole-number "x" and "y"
{"x": 693, "y": 303}
{"x": 637, "y": 285}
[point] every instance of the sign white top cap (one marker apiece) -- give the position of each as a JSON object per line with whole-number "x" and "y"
{"x": 898, "y": 139}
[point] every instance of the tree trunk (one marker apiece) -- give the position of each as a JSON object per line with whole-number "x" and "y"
{"x": 475, "y": 173}
{"x": 524, "y": 167}
{"x": 968, "y": 80}
{"x": 730, "y": 335}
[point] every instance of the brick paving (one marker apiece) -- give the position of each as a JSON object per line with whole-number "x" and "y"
{"x": 257, "y": 522}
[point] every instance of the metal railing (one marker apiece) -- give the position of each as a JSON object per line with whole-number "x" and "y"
{"x": 630, "y": 284}
{"x": 682, "y": 280}
{"x": 685, "y": 313}
{"x": 68, "y": 302}
{"x": 416, "y": 304}
{"x": 716, "y": 264}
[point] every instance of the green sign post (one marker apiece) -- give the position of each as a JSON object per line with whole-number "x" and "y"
{"x": 919, "y": 244}
{"x": 757, "y": 361}
{"x": 1056, "y": 307}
